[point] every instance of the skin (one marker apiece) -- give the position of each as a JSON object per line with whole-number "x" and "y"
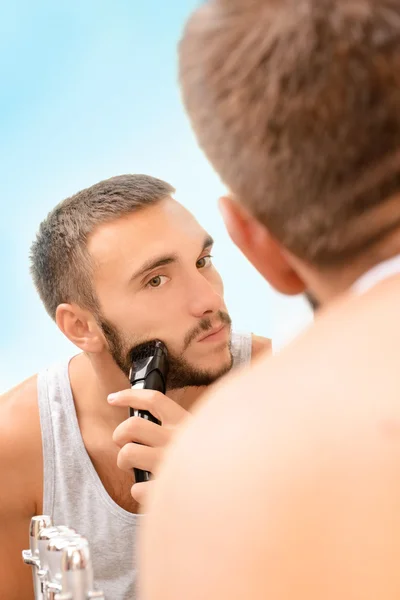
{"x": 188, "y": 290}
{"x": 297, "y": 497}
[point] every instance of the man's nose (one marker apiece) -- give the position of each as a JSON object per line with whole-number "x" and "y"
{"x": 204, "y": 299}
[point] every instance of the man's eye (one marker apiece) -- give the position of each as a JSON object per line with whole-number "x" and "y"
{"x": 203, "y": 262}
{"x": 157, "y": 281}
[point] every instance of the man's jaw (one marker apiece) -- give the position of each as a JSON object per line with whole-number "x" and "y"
{"x": 187, "y": 373}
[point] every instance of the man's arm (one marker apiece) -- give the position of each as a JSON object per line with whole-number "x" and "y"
{"x": 21, "y": 483}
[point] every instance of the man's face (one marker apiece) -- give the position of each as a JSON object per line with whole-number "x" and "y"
{"x": 154, "y": 279}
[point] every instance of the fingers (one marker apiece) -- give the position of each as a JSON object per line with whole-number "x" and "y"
{"x": 140, "y": 491}
{"x": 141, "y": 441}
{"x": 160, "y": 406}
{"x": 141, "y": 431}
{"x": 138, "y": 457}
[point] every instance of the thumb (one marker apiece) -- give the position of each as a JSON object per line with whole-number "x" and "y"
{"x": 140, "y": 491}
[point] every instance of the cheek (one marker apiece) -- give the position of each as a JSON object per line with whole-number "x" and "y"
{"x": 158, "y": 317}
{"x": 168, "y": 321}
{"x": 132, "y": 318}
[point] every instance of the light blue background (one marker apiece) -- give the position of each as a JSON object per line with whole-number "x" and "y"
{"x": 88, "y": 91}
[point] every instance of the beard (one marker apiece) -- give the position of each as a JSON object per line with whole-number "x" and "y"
{"x": 181, "y": 373}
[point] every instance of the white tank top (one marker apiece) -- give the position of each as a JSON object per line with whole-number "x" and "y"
{"x": 73, "y": 492}
{"x": 380, "y": 272}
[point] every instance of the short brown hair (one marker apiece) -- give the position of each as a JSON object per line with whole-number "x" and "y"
{"x": 297, "y": 105}
{"x": 60, "y": 264}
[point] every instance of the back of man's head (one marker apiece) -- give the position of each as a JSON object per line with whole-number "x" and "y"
{"x": 297, "y": 105}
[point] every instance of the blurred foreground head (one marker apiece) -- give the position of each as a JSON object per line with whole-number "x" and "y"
{"x": 296, "y": 105}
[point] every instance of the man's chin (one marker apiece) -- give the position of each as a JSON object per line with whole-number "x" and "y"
{"x": 210, "y": 355}
{"x": 198, "y": 375}
{"x": 216, "y": 371}
{"x": 216, "y": 359}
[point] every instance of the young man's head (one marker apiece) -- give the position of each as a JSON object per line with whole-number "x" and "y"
{"x": 297, "y": 105}
{"x": 122, "y": 263}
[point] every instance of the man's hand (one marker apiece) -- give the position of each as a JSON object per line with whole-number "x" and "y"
{"x": 142, "y": 442}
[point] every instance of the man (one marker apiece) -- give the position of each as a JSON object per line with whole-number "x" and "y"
{"x": 286, "y": 485}
{"x": 115, "y": 265}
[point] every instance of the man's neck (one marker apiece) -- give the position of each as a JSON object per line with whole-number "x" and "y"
{"x": 90, "y": 388}
{"x": 330, "y": 284}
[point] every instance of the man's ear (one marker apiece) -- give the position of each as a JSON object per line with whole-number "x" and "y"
{"x": 256, "y": 243}
{"x": 80, "y": 327}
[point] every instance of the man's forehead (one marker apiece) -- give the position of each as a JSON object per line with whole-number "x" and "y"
{"x": 165, "y": 226}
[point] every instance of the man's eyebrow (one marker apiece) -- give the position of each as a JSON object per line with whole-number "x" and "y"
{"x": 154, "y": 263}
{"x": 161, "y": 261}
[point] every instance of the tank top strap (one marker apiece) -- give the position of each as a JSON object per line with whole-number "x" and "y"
{"x": 241, "y": 348}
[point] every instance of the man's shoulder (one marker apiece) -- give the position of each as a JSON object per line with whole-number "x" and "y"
{"x": 322, "y": 435}
{"x": 20, "y": 437}
{"x": 15, "y": 403}
{"x": 19, "y": 415}
{"x": 259, "y": 345}
{"x": 27, "y": 386}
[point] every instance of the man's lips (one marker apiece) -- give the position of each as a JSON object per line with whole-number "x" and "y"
{"x": 213, "y": 334}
